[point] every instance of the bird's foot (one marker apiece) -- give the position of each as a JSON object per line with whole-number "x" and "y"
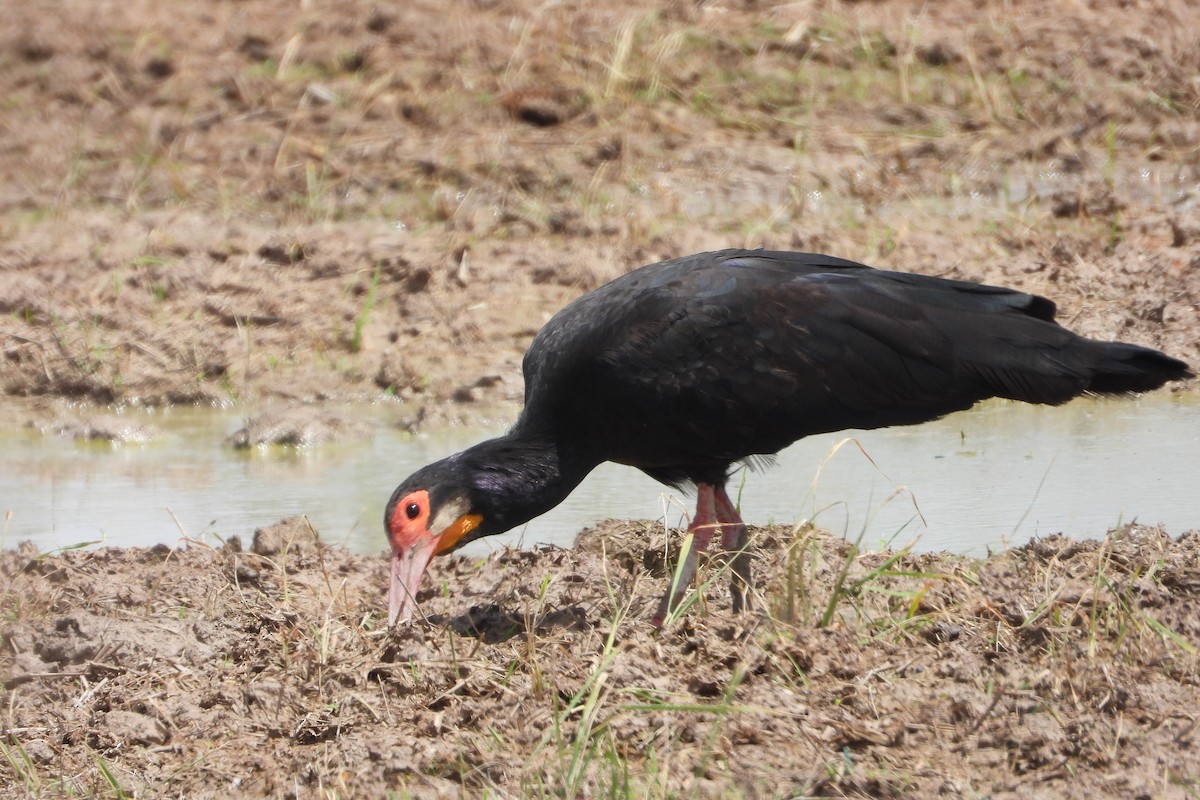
{"x": 714, "y": 512}
{"x": 701, "y": 529}
{"x": 681, "y": 579}
{"x": 736, "y": 540}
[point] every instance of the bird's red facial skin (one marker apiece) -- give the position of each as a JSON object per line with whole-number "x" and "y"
{"x": 413, "y": 547}
{"x": 414, "y": 544}
{"x": 410, "y": 521}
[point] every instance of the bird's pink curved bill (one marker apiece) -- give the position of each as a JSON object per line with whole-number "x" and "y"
{"x": 408, "y": 565}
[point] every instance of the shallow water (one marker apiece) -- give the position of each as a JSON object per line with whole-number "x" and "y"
{"x": 996, "y": 475}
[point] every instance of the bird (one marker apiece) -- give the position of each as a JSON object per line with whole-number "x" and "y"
{"x": 688, "y": 367}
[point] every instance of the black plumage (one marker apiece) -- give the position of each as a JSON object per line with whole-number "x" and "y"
{"x": 684, "y": 367}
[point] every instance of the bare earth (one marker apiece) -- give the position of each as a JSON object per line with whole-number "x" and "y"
{"x": 275, "y": 202}
{"x": 1058, "y": 669}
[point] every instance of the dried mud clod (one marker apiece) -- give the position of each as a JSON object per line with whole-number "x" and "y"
{"x": 290, "y": 545}
{"x": 290, "y": 535}
{"x": 100, "y": 427}
{"x": 298, "y": 426}
{"x": 889, "y": 674}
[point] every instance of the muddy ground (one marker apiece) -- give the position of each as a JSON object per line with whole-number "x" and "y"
{"x": 243, "y": 202}
{"x": 1058, "y": 669}
{"x": 272, "y": 203}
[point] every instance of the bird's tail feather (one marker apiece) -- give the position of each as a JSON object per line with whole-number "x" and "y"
{"x": 1120, "y": 368}
{"x": 1054, "y": 375}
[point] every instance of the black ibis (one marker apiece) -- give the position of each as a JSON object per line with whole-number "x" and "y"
{"x": 685, "y": 367}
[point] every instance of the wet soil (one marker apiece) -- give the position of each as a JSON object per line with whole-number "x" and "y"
{"x": 274, "y": 204}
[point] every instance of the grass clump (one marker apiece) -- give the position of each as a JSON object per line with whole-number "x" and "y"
{"x": 364, "y": 316}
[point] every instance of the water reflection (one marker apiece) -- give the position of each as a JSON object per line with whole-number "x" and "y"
{"x": 998, "y": 474}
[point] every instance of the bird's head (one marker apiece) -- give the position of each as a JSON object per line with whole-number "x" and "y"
{"x": 426, "y": 516}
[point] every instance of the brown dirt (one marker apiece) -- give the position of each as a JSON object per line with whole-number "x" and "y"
{"x": 227, "y": 201}
{"x": 1058, "y": 669}
{"x": 230, "y": 202}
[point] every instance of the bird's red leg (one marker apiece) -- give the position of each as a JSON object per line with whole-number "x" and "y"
{"x": 703, "y": 525}
{"x": 735, "y": 540}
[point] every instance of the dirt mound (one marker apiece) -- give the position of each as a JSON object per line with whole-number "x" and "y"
{"x": 1061, "y": 668}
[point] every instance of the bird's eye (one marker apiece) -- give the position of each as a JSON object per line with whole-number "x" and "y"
{"x": 412, "y": 510}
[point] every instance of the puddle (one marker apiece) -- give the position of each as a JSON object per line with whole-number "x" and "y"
{"x": 996, "y": 475}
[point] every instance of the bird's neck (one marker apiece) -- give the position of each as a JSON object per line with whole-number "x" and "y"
{"x": 519, "y": 476}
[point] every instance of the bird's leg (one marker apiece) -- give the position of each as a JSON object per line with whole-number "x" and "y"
{"x": 735, "y": 539}
{"x": 702, "y": 527}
